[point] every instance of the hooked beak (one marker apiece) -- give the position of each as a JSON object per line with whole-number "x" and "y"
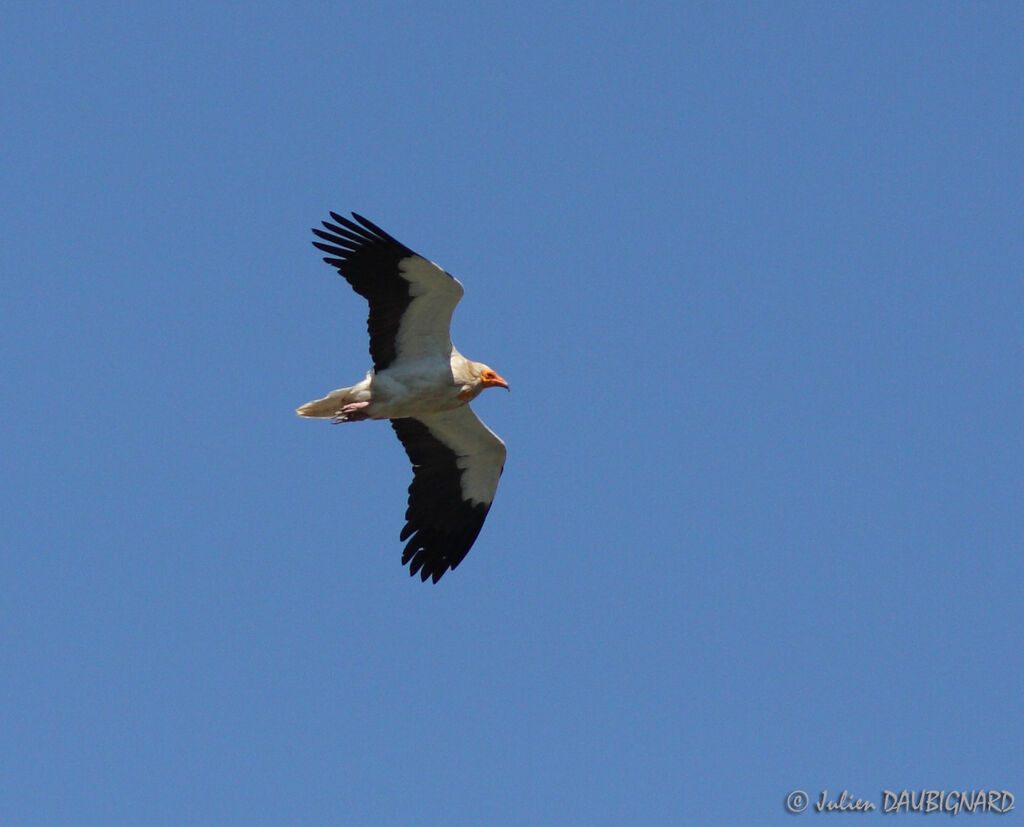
{"x": 495, "y": 381}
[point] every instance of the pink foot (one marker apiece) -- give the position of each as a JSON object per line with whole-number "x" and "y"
{"x": 352, "y": 412}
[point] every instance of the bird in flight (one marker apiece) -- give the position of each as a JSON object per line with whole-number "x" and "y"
{"x": 423, "y": 385}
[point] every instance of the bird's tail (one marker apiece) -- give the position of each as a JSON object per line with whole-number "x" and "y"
{"x": 330, "y": 407}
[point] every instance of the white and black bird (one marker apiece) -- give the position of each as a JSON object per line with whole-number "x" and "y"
{"x": 423, "y": 385}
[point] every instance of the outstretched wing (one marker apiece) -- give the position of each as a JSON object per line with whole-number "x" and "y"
{"x": 411, "y": 299}
{"x": 456, "y": 463}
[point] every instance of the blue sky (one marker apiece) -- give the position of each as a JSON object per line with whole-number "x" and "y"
{"x": 754, "y": 273}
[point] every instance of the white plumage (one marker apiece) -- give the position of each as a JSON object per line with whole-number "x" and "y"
{"x": 423, "y": 385}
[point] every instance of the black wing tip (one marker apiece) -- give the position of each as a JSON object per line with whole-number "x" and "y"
{"x": 373, "y": 228}
{"x": 347, "y": 223}
{"x": 434, "y": 550}
{"x": 358, "y": 233}
{"x": 362, "y": 226}
{"x": 429, "y": 566}
{"x": 425, "y": 573}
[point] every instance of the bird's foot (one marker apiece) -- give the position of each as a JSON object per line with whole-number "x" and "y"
{"x": 352, "y": 412}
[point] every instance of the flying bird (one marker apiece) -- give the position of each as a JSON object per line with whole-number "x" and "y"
{"x": 423, "y": 385}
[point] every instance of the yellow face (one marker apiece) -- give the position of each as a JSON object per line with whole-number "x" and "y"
{"x": 490, "y": 379}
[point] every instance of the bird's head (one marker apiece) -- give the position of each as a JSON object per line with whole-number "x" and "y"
{"x": 479, "y": 377}
{"x": 490, "y": 379}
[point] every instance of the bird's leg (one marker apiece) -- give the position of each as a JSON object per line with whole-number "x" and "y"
{"x": 352, "y": 412}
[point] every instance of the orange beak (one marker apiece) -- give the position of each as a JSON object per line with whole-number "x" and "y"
{"x": 492, "y": 380}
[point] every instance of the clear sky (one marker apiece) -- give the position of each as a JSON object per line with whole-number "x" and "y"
{"x": 754, "y": 273}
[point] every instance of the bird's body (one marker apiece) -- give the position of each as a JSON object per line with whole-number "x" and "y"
{"x": 423, "y": 385}
{"x": 402, "y": 390}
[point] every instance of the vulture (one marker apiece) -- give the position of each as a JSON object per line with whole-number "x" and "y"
{"x": 423, "y": 385}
